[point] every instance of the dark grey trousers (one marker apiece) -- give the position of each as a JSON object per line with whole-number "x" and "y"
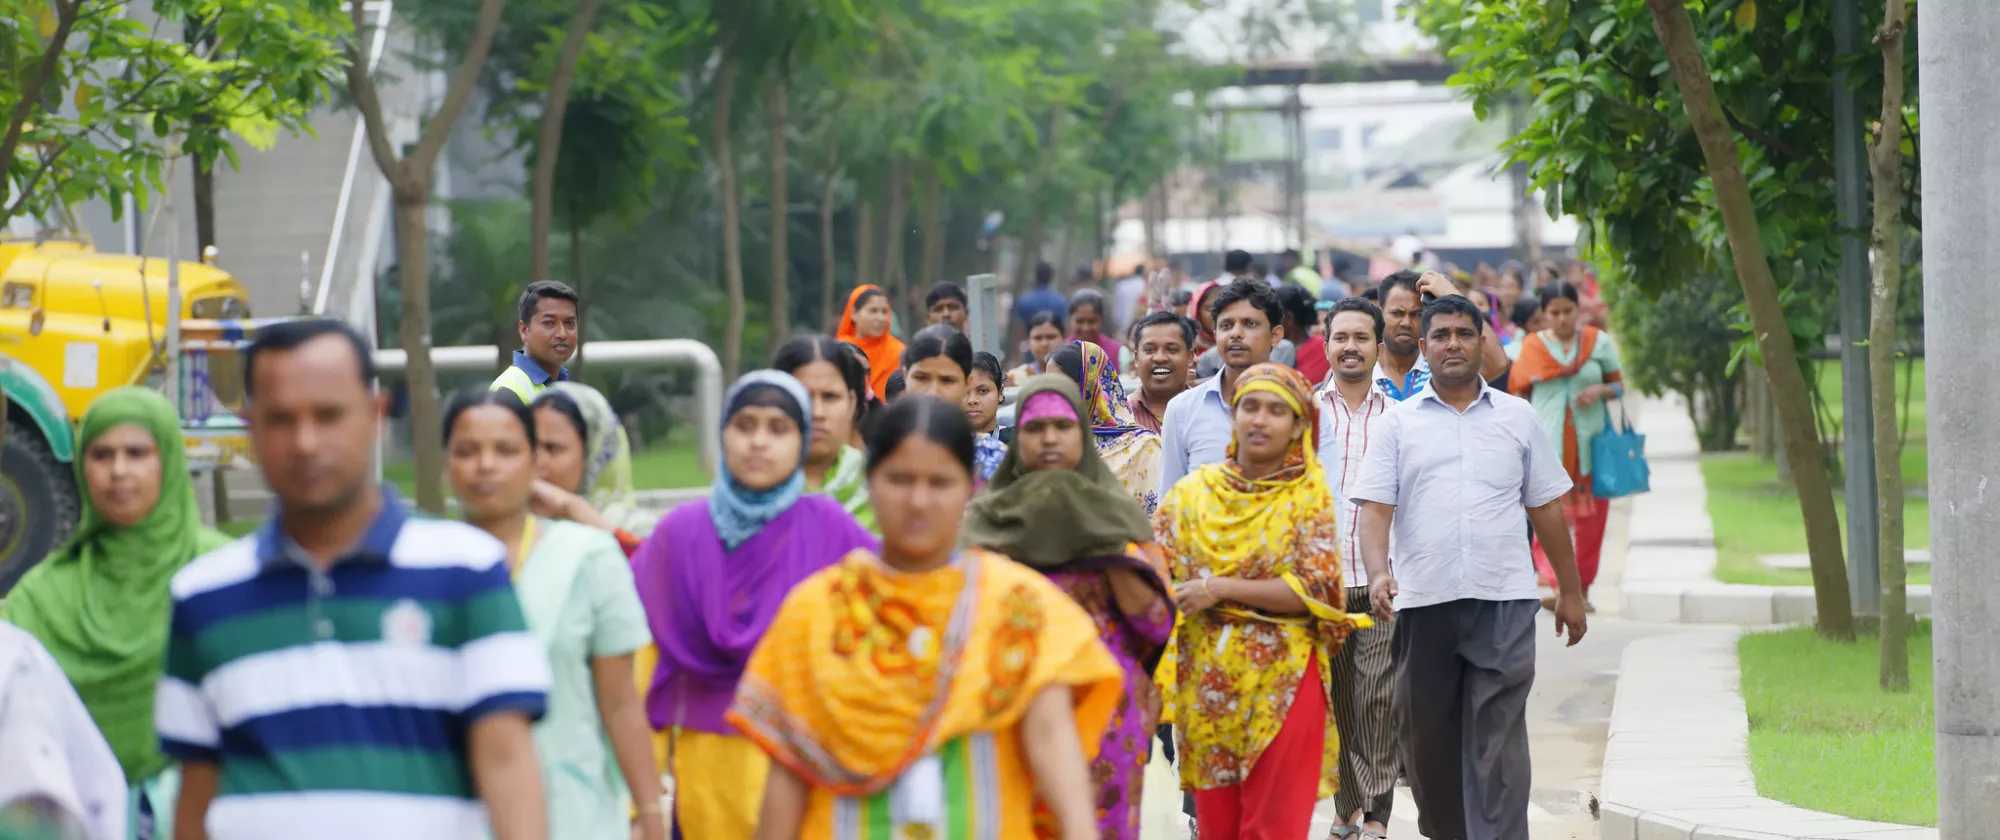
{"x": 1463, "y": 673}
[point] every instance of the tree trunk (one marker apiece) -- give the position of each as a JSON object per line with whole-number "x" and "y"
{"x": 732, "y": 216}
{"x": 781, "y": 218}
{"x": 409, "y": 178}
{"x": 1885, "y": 165}
{"x": 204, "y": 206}
{"x": 1767, "y": 316}
{"x": 1031, "y": 248}
{"x": 932, "y": 265}
{"x": 1065, "y": 261}
{"x": 413, "y": 265}
{"x": 829, "y": 274}
{"x": 548, "y": 144}
{"x": 895, "y": 221}
{"x": 576, "y": 281}
{"x": 865, "y": 237}
{"x": 1149, "y": 221}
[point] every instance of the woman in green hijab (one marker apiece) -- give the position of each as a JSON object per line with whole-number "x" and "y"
{"x": 585, "y": 465}
{"x": 1055, "y": 506}
{"x": 100, "y": 603}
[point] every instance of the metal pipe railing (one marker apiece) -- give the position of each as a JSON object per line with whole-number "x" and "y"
{"x": 654, "y": 353}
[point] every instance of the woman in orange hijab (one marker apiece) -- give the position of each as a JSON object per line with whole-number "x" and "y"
{"x": 865, "y": 324}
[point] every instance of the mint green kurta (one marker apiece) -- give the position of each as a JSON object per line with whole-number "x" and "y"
{"x": 1557, "y": 397}
{"x": 577, "y": 592}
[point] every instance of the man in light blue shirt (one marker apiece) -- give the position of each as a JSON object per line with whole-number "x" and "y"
{"x": 1196, "y": 430}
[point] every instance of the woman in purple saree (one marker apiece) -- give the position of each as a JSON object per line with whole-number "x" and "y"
{"x": 1053, "y": 505}
{"x": 711, "y": 578}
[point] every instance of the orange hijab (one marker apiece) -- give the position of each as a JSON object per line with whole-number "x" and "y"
{"x": 885, "y": 352}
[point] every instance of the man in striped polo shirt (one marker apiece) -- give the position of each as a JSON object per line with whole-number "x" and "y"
{"x": 350, "y": 671}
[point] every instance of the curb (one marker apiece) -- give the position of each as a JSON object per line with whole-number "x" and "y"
{"x": 1742, "y": 605}
{"x": 1675, "y": 762}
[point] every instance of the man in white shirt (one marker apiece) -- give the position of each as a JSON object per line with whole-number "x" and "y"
{"x": 1351, "y": 406}
{"x": 1448, "y": 472}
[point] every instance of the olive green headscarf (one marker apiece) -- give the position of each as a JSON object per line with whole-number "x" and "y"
{"x": 1046, "y": 518}
{"x": 100, "y": 603}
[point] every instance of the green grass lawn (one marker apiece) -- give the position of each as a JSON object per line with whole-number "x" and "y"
{"x": 1824, "y": 736}
{"x": 669, "y": 464}
{"x": 1756, "y": 514}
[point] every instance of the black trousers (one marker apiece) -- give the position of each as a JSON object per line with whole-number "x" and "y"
{"x": 1463, "y": 672}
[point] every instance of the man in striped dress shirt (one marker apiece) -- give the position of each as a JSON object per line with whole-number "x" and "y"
{"x": 349, "y": 671}
{"x": 1363, "y": 689}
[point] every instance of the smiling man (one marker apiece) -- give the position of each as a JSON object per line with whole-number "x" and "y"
{"x": 548, "y": 337}
{"x": 1196, "y": 429}
{"x": 1162, "y": 346}
{"x": 1350, "y": 406}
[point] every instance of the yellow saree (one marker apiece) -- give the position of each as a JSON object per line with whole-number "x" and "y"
{"x": 866, "y": 671}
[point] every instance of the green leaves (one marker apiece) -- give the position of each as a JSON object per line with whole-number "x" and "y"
{"x": 208, "y": 73}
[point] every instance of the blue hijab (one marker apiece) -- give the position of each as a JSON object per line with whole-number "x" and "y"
{"x": 738, "y": 511}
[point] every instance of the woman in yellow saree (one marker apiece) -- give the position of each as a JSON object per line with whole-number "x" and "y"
{"x": 927, "y": 692}
{"x": 1254, "y": 554}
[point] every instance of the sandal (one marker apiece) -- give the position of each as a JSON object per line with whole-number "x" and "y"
{"x": 1374, "y": 835}
{"x": 1343, "y": 832}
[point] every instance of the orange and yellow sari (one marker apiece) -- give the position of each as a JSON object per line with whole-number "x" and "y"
{"x": 866, "y": 671}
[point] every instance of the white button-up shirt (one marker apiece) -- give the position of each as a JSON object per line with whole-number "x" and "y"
{"x": 1459, "y": 481}
{"x": 1343, "y": 442}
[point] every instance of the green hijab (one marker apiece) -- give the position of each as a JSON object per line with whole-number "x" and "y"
{"x": 100, "y": 603}
{"x": 1047, "y": 518}
{"x": 847, "y": 483}
{"x": 607, "y": 466}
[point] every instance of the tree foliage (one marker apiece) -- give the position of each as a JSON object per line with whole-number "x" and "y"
{"x": 1609, "y": 141}
{"x": 99, "y": 97}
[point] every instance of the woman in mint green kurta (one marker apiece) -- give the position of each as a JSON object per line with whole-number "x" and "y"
{"x": 576, "y": 590}
{"x": 1567, "y": 372}
{"x": 577, "y": 594}
{"x": 99, "y": 604}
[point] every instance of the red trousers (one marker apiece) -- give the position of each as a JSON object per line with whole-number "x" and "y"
{"x": 1277, "y": 800}
{"x": 1586, "y": 528}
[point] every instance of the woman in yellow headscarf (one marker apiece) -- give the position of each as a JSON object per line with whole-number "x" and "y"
{"x": 1254, "y": 552}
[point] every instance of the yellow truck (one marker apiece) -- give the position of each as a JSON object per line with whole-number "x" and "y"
{"x": 75, "y": 323}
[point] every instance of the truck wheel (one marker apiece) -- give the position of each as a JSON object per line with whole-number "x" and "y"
{"x": 38, "y": 502}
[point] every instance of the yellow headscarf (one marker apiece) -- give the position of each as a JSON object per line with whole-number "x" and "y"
{"x": 1242, "y": 517}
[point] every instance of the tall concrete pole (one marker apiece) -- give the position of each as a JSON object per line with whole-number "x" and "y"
{"x": 1850, "y": 165}
{"x": 1958, "y": 71}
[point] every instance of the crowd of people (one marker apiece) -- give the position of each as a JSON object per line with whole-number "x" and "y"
{"x": 892, "y": 616}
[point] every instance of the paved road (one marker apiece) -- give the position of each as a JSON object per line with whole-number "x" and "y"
{"x": 1569, "y": 713}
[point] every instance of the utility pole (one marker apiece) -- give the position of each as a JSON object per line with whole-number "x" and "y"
{"x": 1957, "y": 71}
{"x": 1850, "y": 171}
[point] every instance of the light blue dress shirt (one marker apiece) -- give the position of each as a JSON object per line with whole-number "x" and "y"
{"x": 1196, "y": 432}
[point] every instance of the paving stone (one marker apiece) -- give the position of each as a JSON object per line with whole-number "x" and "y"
{"x": 1617, "y": 822}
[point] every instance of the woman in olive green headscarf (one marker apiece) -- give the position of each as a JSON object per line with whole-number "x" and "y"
{"x": 100, "y": 603}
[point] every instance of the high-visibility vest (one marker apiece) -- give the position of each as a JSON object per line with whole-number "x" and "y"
{"x": 516, "y": 380}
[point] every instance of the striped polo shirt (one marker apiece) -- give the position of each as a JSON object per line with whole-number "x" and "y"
{"x": 337, "y": 702}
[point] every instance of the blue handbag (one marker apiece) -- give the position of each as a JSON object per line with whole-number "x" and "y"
{"x": 1618, "y": 460}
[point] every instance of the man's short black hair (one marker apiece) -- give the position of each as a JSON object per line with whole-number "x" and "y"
{"x": 1361, "y": 305}
{"x": 1044, "y": 274}
{"x": 1164, "y": 318}
{"x": 1257, "y": 292}
{"x": 1373, "y": 294}
{"x": 1236, "y": 262}
{"x": 1292, "y": 254}
{"x": 946, "y": 291}
{"x": 540, "y": 290}
{"x": 1453, "y": 305}
{"x": 1182, "y": 297}
{"x": 1405, "y": 279}
{"x": 291, "y": 335}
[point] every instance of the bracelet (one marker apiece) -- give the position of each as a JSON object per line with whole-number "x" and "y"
{"x": 1204, "y": 588}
